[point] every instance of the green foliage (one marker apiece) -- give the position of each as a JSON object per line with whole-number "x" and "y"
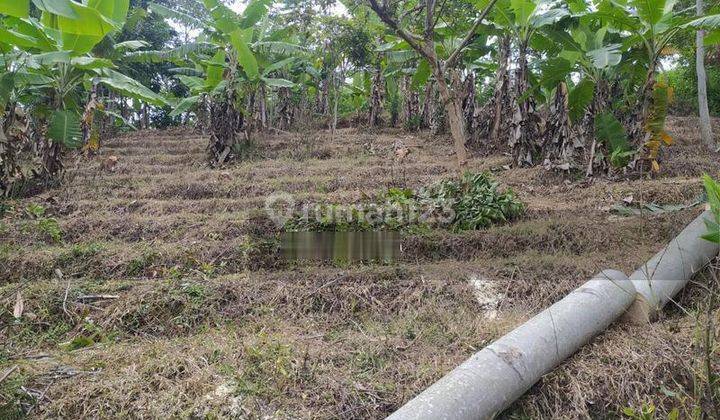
{"x": 18, "y": 8}
{"x": 413, "y": 123}
{"x": 138, "y": 265}
{"x": 79, "y": 253}
{"x": 51, "y": 228}
{"x": 65, "y": 129}
{"x": 47, "y": 226}
{"x": 35, "y": 210}
{"x": 89, "y": 335}
{"x": 12, "y": 395}
{"x": 130, "y": 87}
{"x": 611, "y": 133}
{"x": 712, "y": 189}
{"x": 683, "y": 79}
{"x": 267, "y": 367}
{"x": 476, "y": 201}
{"x": 245, "y": 56}
{"x": 580, "y": 98}
{"x": 470, "y": 202}
{"x": 78, "y": 342}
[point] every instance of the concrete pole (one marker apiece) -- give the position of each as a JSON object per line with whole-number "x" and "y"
{"x": 493, "y": 378}
{"x": 661, "y": 278}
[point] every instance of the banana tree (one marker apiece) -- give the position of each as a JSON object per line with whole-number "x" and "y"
{"x": 522, "y": 20}
{"x": 53, "y": 71}
{"x": 405, "y": 19}
{"x": 592, "y": 52}
{"x": 233, "y": 75}
{"x": 652, "y": 25}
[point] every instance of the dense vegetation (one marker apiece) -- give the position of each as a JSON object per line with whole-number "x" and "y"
{"x": 575, "y": 86}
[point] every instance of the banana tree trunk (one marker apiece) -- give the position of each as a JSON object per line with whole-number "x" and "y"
{"x": 10, "y": 171}
{"x": 427, "y": 106}
{"x": 88, "y": 119}
{"x": 203, "y": 115}
{"x": 52, "y": 165}
{"x": 229, "y": 134}
{"x": 145, "y": 117}
{"x": 322, "y": 100}
{"x": 262, "y": 108}
{"x": 226, "y": 130}
{"x": 491, "y": 121}
{"x": 559, "y": 145}
{"x": 525, "y": 125}
{"x": 284, "y": 108}
{"x": 600, "y": 102}
{"x": 501, "y": 95}
{"x": 637, "y": 119}
{"x": 376, "y": 97}
{"x": 468, "y": 102}
{"x": 410, "y": 104}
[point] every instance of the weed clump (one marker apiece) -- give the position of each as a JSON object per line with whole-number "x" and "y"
{"x": 472, "y": 201}
{"x": 47, "y": 226}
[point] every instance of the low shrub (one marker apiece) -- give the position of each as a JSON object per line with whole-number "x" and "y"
{"x": 472, "y": 201}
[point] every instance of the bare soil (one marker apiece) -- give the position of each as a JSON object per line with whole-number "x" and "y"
{"x": 201, "y": 318}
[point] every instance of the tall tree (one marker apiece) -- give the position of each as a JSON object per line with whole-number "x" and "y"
{"x": 425, "y": 46}
{"x": 705, "y": 128}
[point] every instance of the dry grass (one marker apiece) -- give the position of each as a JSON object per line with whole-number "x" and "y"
{"x": 208, "y": 321}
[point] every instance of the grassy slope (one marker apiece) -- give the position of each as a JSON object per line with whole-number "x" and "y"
{"x": 209, "y": 321}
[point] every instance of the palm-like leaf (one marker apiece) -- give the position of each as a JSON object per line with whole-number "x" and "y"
{"x": 65, "y": 128}
{"x": 130, "y": 87}
{"x": 179, "y": 15}
{"x": 185, "y": 105}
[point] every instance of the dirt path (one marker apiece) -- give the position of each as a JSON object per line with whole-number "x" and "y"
{"x": 206, "y": 320}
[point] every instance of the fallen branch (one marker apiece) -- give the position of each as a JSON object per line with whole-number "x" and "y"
{"x": 93, "y": 298}
{"x": 8, "y": 372}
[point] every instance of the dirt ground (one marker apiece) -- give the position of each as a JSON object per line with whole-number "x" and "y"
{"x": 162, "y": 294}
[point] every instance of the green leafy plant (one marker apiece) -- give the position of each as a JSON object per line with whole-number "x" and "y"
{"x": 610, "y": 132}
{"x": 35, "y": 210}
{"x": 712, "y": 189}
{"x": 50, "y": 227}
{"x": 476, "y": 201}
{"x": 472, "y": 201}
{"x": 45, "y": 225}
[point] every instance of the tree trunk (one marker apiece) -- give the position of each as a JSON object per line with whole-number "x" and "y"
{"x": 90, "y": 132}
{"x": 526, "y": 129}
{"x": 12, "y": 136}
{"x": 145, "y": 117}
{"x": 203, "y": 115}
{"x": 262, "y": 109}
{"x": 705, "y": 127}
{"x": 636, "y": 123}
{"x": 322, "y": 103}
{"x": 427, "y": 106}
{"x": 410, "y": 104}
{"x": 376, "y": 97}
{"x": 559, "y": 147}
{"x": 586, "y": 128}
{"x": 284, "y": 108}
{"x": 468, "y": 101}
{"x": 501, "y": 95}
{"x": 227, "y": 123}
{"x": 453, "y": 107}
{"x": 336, "y": 99}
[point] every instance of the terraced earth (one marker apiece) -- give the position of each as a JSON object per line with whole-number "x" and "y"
{"x": 155, "y": 288}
